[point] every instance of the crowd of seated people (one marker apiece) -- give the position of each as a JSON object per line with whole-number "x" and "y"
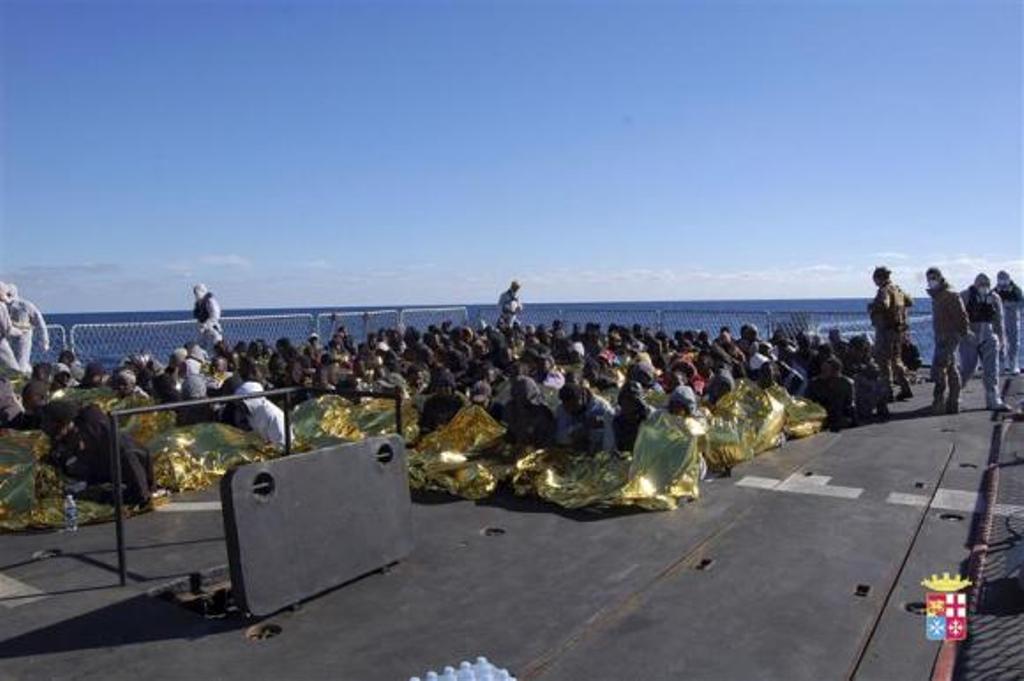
{"x": 585, "y": 387}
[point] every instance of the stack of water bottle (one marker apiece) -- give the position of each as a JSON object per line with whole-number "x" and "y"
{"x": 481, "y": 671}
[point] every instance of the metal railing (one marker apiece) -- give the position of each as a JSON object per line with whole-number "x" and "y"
{"x": 110, "y": 343}
{"x": 359, "y": 325}
{"x": 423, "y": 317}
{"x": 115, "y": 444}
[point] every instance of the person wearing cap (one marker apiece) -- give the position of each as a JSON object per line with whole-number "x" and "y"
{"x": 62, "y": 377}
{"x": 949, "y": 326}
{"x": 985, "y": 337}
{"x": 583, "y": 420}
{"x": 1013, "y": 301}
{"x": 888, "y": 313}
{"x": 26, "y": 316}
{"x": 8, "y": 332}
{"x": 509, "y": 306}
{"x": 206, "y": 312}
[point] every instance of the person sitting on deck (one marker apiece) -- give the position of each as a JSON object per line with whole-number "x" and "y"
{"x": 531, "y": 422}
{"x": 584, "y": 421}
{"x": 834, "y": 391}
{"x": 442, "y": 405}
{"x": 632, "y": 412}
{"x": 81, "y": 450}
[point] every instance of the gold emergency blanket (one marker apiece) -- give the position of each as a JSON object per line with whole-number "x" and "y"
{"x": 375, "y": 417}
{"x": 463, "y": 457}
{"x": 142, "y": 427}
{"x": 31, "y": 492}
{"x": 195, "y": 457}
{"x": 324, "y": 421}
{"x": 571, "y": 479}
{"x": 666, "y": 462}
{"x": 745, "y": 422}
{"x": 803, "y": 417}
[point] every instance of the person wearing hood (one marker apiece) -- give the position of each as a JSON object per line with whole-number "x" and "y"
{"x": 1013, "y": 302}
{"x": 509, "y": 306}
{"x": 949, "y": 326}
{"x": 206, "y": 312}
{"x": 95, "y": 376}
{"x": 834, "y": 391}
{"x": 9, "y": 333}
{"x": 985, "y": 337}
{"x": 264, "y": 417}
{"x": 888, "y": 313}
{"x": 125, "y": 384}
{"x": 583, "y": 420}
{"x": 26, "y": 316}
{"x": 530, "y": 421}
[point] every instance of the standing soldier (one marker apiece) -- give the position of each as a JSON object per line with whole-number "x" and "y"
{"x": 1013, "y": 301}
{"x": 889, "y": 317}
{"x": 949, "y": 326}
{"x": 985, "y": 313}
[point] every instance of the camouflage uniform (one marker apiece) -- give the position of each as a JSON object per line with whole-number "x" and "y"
{"x": 889, "y": 317}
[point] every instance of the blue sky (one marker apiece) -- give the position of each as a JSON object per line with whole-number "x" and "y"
{"x": 336, "y": 153}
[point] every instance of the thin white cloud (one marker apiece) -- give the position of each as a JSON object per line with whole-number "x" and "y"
{"x": 225, "y": 260}
{"x": 891, "y": 255}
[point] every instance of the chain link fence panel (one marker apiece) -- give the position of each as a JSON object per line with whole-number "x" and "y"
{"x": 111, "y": 343}
{"x": 58, "y": 341}
{"x": 712, "y": 321}
{"x": 358, "y": 324}
{"x": 422, "y": 317}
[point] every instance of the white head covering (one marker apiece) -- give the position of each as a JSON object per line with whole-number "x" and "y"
{"x": 200, "y": 290}
{"x": 12, "y": 291}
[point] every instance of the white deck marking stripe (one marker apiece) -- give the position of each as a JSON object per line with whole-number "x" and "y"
{"x": 14, "y": 593}
{"x": 189, "y": 506}
{"x": 905, "y": 499}
{"x": 756, "y": 482}
{"x": 802, "y": 484}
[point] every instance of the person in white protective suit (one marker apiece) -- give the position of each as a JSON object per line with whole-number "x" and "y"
{"x": 1013, "y": 303}
{"x": 207, "y": 313}
{"x": 265, "y": 418}
{"x": 8, "y": 331}
{"x": 26, "y": 317}
{"x": 509, "y": 306}
{"x": 985, "y": 314}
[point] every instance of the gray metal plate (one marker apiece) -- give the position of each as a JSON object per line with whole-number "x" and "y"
{"x": 298, "y": 526}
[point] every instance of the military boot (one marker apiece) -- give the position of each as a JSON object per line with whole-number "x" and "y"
{"x": 938, "y": 406}
{"x": 905, "y": 393}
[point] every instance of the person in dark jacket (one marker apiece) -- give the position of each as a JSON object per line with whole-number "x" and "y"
{"x": 531, "y": 423}
{"x": 632, "y": 412}
{"x": 834, "y": 391}
{"x": 949, "y": 326}
{"x": 442, "y": 405}
{"x": 81, "y": 450}
{"x": 34, "y": 397}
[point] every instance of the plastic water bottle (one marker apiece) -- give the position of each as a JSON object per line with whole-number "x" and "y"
{"x": 432, "y": 676}
{"x": 481, "y": 667}
{"x": 465, "y": 672}
{"x": 70, "y": 514}
{"x": 449, "y": 674}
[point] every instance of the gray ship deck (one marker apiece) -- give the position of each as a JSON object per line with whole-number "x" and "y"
{"x": 577, "y": 595}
